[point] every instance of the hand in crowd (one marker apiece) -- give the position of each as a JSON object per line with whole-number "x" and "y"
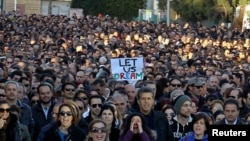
{"x": 2, "y": 122}
{"x": 136, "y": 126}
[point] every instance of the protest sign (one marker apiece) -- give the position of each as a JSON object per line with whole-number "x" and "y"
{"x": 127, "y": 68}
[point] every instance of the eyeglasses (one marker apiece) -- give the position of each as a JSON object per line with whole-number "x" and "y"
{"x": 70, "y": 89}
{"x": 170, "y": 114}
{"x": 2, "y": 110}
{"x": 198, "y": 87}
{"x": 232, "y": 97}
{"x": 95, "y": 105}
{"x": 98, "y": 130}
{"x": 176, "y": 85}
{"x": 2, "y": 95}
{"x": 33, "y": 88}
{"x": 82, "y": 98}
{"x": 65, "y": 113}
{"x": 9, "y": 62}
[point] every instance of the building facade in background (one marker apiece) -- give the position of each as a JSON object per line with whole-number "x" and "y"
{"x": 27, "y": 7}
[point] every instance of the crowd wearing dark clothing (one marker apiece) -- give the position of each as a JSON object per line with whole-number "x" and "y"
{"x": 58, "y": 61}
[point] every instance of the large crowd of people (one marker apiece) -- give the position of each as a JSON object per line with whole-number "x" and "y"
{"x": 56, "y": 81}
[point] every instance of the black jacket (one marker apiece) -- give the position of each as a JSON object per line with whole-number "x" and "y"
{"x": 75, "y": 134}
{"x": 161, "y": 126}
{"x": 40, "y": 119}
{"x": 223, "y": 122}
{"x": 13, "y": 131}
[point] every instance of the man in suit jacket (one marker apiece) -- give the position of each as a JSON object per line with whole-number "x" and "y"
{"x": 231, "y": 111}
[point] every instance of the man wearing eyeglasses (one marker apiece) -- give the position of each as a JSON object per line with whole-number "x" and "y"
{"x": 67, "y": 91}
{"x": 95, "y": 103}
{"x": 195, "y": 84}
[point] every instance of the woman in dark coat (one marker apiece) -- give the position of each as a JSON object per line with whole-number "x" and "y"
{"x": 66, "y": 128}
{"x": 10, "y": 129}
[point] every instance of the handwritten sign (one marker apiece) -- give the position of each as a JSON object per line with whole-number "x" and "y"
{"x": 127, "y": 68}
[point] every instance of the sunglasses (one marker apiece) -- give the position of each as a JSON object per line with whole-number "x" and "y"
{"x": 198, "y": 87}
{"x": 2, "y": 95}
{"x": 33, "y": 88}
{"x": 176, "y": 85}
{"x": 65, "y": 113}
{"x": 170, "y": 114}
{"x": 70, "y": 89}
{"x": 2, "y": 110}
{"x": 95, "y": 105}
{"x": 232, "y": 97}
{"x": 98, "y": 130}
{"x": 82, "y": 98}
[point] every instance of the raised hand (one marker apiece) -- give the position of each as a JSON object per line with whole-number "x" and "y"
{"x": 2, "y": 122}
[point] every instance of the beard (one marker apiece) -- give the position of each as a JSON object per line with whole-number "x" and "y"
{"x": 45, "y": 102}
{"x": 185, "y": 115}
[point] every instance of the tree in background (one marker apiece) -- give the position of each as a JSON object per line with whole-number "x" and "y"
{"x": 123, "y": 9}
{"x": 76, "y": 4}
{"x": 162, "y": 5}
{"x": 198, "y": 10}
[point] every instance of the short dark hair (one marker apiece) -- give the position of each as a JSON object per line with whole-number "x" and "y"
{"x": 201, "y": 115}
{"x": 68, "y": 83}
{"x": 144, "y": 90}
{"x": 231, "y": 101}
{"x": 95, "y": 97}
{"x": 44, "y": 84}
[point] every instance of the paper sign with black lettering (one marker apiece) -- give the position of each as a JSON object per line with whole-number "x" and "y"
{"x": 127, "y": 68}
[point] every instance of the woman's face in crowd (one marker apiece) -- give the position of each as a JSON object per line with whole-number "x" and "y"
{"x": 194, "y": 108}
{"x": 107, "y": 116}
{"x": 169, "y": 114}
{"x": 98, "y": 132}
{"x": 135, "y": 120}
{"x": 4, "y": 111}
{"x": 199, "y": 127}
{"x": 65, "y": 116}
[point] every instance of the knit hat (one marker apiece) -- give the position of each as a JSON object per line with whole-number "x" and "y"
{"x": 175, "y": 94}
{"x": 179, "y": 102}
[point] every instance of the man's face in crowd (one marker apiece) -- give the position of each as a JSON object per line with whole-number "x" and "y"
{"x": 146, "y": 102}
{"x": 95, "y": 106}
{"x": 45, "y": 94}
{"x": 11, "y": 91}
{"x": 185, "y": 110}
{"x": 231, "y": 112}
{"x": 247, "y": 100}
{"x": 69, "y": 92}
